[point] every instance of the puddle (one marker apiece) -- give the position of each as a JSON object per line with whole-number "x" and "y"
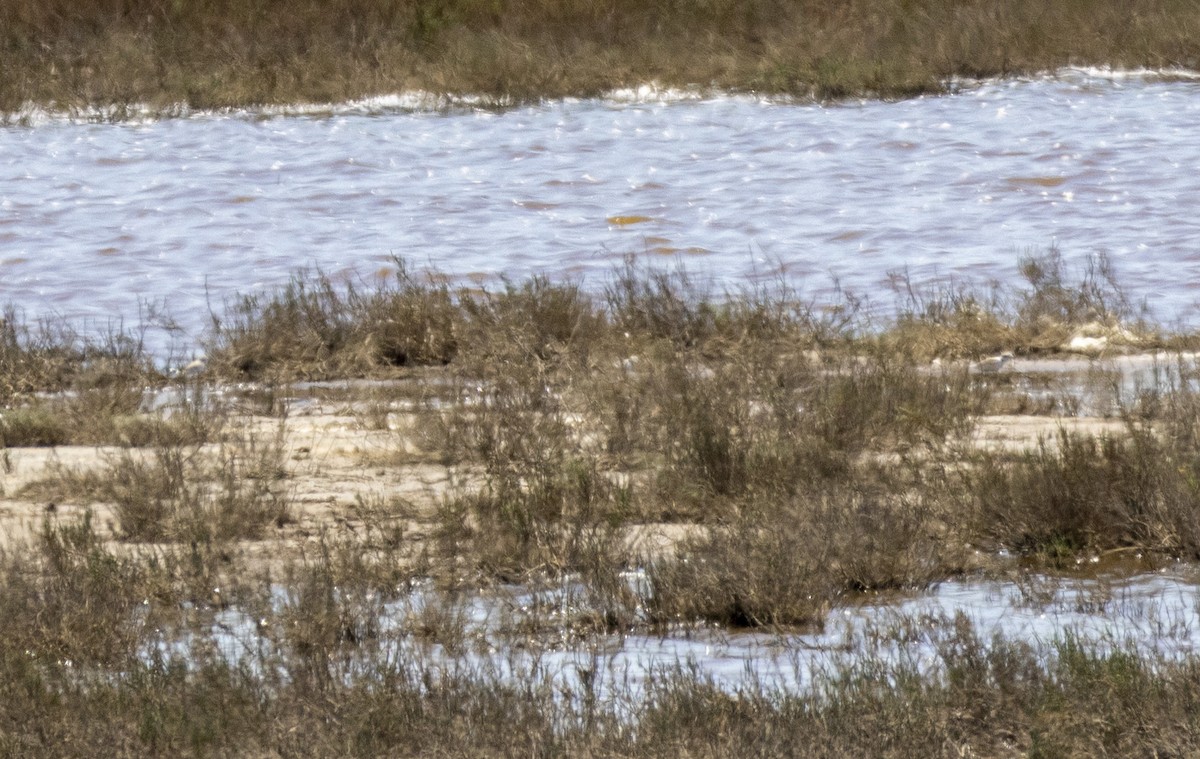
{"x": 514, "y": 632}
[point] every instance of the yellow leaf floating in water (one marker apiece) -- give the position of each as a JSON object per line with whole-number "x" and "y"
{"x": 624, "y": 221}
{"x": 1036, "y": 181}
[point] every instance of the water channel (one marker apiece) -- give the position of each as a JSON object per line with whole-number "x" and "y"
{"x": 100, "y": 214}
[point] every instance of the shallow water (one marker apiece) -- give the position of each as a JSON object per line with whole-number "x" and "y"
{"x": 97, "y": 217}
{"x": 1153, "y": 613}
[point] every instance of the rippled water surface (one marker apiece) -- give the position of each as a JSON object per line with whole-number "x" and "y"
{"x": 95, "y": 217}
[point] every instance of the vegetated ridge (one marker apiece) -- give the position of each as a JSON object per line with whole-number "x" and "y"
{"x": 228, "y": 53}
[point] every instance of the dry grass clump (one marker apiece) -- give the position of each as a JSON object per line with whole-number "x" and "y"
{"x": 554, "y": 521}
{"x": 545, "y": 506}
{"x": 413, "y": 324}
{"x": 1170, "y": 402}
{"x": 78, "y": 601}
{"x": 1093, "y": 494}
{"x": 54, "y": 356}
{"x": 315, "y": 329}
{"x": 33, "y": 426}
{"x": 957, "y": 321}
{"x": 34, "y": 358}
{"x": 555, "y": 324}
{"x": 1080, "y": 493}
{"x": 182, "y": 491}
{"x": 757, "y": 422}
{"x": 61, "y": 386}
{"x": 752, "y": 574}
{"x": 948, "y": 321}
{"x": 114, "y": 415}
{"x": 310, "y": 329}
{"x": 660, "y": 305}
{"x": 648, "y": 306}
{"x": 787, "y": 563}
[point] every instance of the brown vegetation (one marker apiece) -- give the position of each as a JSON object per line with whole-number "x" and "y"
{"x": 798, "y": 456}
{"x": 244, "y": 52}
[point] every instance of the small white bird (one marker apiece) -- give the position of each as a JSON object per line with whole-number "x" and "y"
{"x": 196, "y": 367}
{"x": 993, "y": 364}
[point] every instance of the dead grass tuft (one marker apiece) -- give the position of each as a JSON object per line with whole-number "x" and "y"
{"x": 182, "y": 491}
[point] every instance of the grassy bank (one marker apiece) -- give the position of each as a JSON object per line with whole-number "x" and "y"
{"x": 242, "y": 52}
{"x": 577, "y": 412}
{"x": 570, "y": 416}
{"x": 225, "y": 561}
